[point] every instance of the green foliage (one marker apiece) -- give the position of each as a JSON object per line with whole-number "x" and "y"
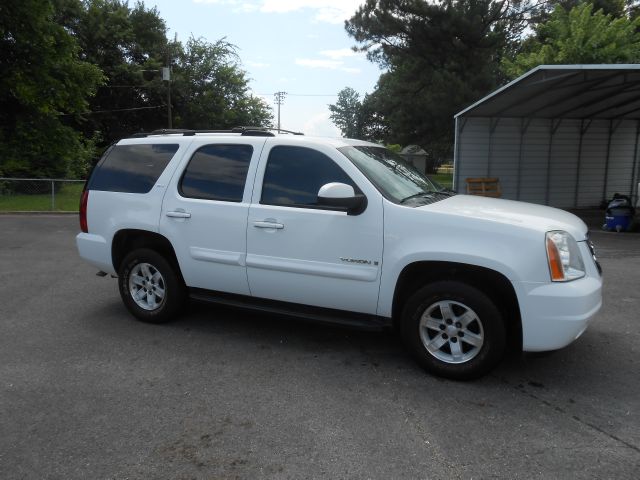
{"x": 438, "y": 57}
{"x": 208, "y": 88}
{"x": 346, "y": 114}
{"x": 356, "y": 118}
{"x": 615, "y": 8}
{"x": 40, "y": 146}
{"x": 579, "y": 36}
{"x": 77, "y": 75}
{"x": 212, "y": 92}
{"x": 130, "y": 45}
{"x": 43, "y": 79}
{"x": 394, "y": 147}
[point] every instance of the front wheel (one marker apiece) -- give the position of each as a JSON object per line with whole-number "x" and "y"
{"x": 453, "y": 330}
{"x": 150, "y": 287}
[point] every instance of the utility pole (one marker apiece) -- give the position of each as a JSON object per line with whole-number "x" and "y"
{"x": 278, "y": 98}
{"x": 166, "y": 76}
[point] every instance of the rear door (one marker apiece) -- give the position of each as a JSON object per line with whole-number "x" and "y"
{"x": 204, "y": 213}
{"x": 301, "y": 252}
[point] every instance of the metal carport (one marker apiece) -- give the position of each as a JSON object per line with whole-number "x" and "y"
{"x": 560, "y": 135}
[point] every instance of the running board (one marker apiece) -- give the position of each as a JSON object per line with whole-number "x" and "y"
{"x": 360, "y": 321}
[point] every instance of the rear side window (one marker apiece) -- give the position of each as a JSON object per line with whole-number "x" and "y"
{"x": 294, "y": 175}
{"x": 217, "y": 172}
{"x": 132, "y": 168}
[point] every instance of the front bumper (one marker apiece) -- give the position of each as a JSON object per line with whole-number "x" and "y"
{"x": 555, "y": 314}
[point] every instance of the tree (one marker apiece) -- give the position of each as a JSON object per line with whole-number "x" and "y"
{"x": 208, "y": 88}
{"x": 212, "y": 91}
{"x": 130, "y": 45}
{"x": 438, "y": 57}
{"x": 356, "y": 118}
{"x": 579, "y": 36}
{"x": 43, "y": 81}
{"x": 347, "y": 113}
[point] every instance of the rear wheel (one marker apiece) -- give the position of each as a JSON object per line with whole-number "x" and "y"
{"x": 453, "y": 330}
{"x": 150, "y": 287}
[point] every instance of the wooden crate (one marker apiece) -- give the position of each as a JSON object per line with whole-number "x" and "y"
{"x": 486, "y": 187}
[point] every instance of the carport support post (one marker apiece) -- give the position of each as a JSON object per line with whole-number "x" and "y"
{"x": 460, "y": 124}
{"x": 634, "y": 181}
{"x": 492, "y": 128}
{"x": 552, "y": 131}
{"x": 456, "y": 155}
{"x": 583, "y": 130}
{"x": 606, "y": 163}
{"x": 523, "y": 129}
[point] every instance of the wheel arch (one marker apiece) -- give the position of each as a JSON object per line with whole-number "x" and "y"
{"x": 127, "y": 240}
{"x": 494, "y": 284}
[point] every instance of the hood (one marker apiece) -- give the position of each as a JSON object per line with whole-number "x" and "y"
{"x": 522, "y": 214}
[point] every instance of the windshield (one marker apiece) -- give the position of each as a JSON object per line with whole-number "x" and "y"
{"x": 397, "y": 180}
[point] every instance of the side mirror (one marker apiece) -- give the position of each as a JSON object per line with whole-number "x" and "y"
{"x": 342, "y": 196}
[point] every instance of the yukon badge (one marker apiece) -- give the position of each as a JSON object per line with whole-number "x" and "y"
{"x": 357, "y": 260}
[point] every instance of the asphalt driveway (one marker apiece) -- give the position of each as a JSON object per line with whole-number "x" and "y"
{"x": 87, "y": 392}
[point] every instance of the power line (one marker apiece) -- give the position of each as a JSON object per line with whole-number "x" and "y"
{"x": 127, "y": 86}
{"x": 312, "y": 95}
{"x": 111, "y": 111}
{"x": 297, "y": 94}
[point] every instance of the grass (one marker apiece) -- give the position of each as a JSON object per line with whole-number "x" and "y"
{"x": 67, "y": 199}
{"x": 444, "y": 179}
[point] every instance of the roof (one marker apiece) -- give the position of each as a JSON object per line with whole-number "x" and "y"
{"x": 566, "y": 91}
{"x": 204, "y": 136}
{"x": 413, "y": 150}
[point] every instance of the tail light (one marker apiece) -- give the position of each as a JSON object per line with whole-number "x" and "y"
{"x": 83, "y": 211}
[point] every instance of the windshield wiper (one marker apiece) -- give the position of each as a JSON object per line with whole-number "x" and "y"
{"x": 417, "y": 195}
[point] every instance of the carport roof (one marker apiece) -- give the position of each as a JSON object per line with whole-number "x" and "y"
{"x": 565, "y": 91}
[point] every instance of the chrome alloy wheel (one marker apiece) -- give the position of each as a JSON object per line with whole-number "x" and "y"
{"x": 146, "y": 286}
{"x": 451, "y": 331}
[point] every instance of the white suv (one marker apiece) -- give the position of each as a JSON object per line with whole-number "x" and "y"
{"x": 340, "y": 231}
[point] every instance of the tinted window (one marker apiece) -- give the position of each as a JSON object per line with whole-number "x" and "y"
{"x": 217, "y": 172}
{"x": 295, "y": 174}
{"x": 132, "y": 168}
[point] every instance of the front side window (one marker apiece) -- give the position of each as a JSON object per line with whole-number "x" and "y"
{"x": 217, "y": 172}
{"x": 294, "y": 175}
{"x": 131, "y": 168}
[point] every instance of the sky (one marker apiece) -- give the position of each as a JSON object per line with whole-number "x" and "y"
{"x": 295, "y": 46}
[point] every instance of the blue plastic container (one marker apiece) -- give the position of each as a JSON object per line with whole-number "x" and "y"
{"x": 618, "y": 219}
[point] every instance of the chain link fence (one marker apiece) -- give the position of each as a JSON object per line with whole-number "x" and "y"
{"x": 40, "y": 194}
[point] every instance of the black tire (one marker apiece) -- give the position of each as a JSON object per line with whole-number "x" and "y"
{"x": 169, "y": 283}
{"x": 485, "y": 330}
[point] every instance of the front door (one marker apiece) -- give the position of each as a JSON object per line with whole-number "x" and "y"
{"x": 298, "y": 251}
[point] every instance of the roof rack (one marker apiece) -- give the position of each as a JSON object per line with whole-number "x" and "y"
{"x": 245, "y": 131}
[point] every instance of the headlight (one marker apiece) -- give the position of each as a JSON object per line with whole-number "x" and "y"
{"x": 563, "y": 255}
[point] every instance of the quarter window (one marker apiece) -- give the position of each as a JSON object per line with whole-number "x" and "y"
{"x": 294, "y": 175}
{"x": 217, "y": 172}
{"x": 132, "y": 168}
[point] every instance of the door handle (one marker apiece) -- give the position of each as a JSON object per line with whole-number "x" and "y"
{"x": 176, "y": 214}
{"x": 277, "y": 226}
